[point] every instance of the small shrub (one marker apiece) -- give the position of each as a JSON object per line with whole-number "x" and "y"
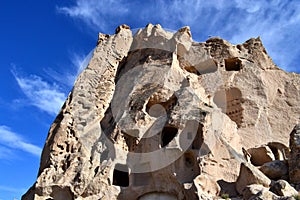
{"x": 225, "y": 196}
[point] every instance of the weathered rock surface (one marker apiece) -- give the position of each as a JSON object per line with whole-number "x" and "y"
{"x": 251, "y": 190}
{"x": 250, "y": 175}
{"x": 157, "y": 115}
{"x": 275, "y": 170}
{"x": 280, "y": 151}
{"x": 265, "y": 194}
{"x": 294, "y": 160}
{"x": 261, "y": 155}
{"x": 206, "y": 186}
{"x": 283, "y": 188}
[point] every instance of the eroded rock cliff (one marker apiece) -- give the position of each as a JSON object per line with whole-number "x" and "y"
{"x": 159, "y": 115}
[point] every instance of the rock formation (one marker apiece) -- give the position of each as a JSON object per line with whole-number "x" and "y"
{"x": 157, "y": 115}
{"x": 294, "y": 161}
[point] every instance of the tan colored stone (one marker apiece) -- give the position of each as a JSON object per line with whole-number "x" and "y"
{"x": 266, "y": 194}
{"x": 280, "y": 151}
{"x": 160, "y": 114}
{"x": 206, "y": 185}
{"x": 250, "y": 175}
{"x": 294, "y": 160}
{"x": 261, "y": 155}
{"x": 253, "y": 189}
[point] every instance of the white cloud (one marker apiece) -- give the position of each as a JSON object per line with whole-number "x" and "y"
{"x": 45, "y": 96}
{"x": 5, "y": 153}
{"x": 250, "y": 6}
{"x": 79, "y": 63}
{"x": 277, "y": 22}
{"x": 91, "y": 11}
{"x": 12, "y": 140}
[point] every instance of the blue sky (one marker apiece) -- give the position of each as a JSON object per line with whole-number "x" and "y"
{"x": 44, "y": 45}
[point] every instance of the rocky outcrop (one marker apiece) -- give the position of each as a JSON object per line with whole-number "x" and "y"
{"x": 294, "y": 160}
{"x": 157, "y": 115}
{"x": 280, "y": 190}
{"x": 206, "y": 186}
{"x": 250, "y": 175}
{"x": 279, "y": 150}
{"x": 256, "y": 191}
{"x": 254, "y": 185}
{"x": 275, "y": 170}
{"x": 283, "y": 188}
{"x": 261, "y": 155}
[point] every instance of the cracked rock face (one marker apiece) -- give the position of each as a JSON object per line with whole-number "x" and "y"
{"x": 157, "y": 115}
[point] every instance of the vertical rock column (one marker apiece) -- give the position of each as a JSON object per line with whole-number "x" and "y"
{"x": 70, "y": 160}
{"x": 294, "y": 161}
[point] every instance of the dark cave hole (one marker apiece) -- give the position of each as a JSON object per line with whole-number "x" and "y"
{"x": 168, "y": 133}
{"x": 121, "y": 176}
{"x": 233, "y": 64}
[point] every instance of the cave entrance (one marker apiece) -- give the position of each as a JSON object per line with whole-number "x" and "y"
{"x": 167, "y": 135}
{"x": 233, "y": 64}
{"x": 186, "y": 167}
{"x": 121, "y": 175}
{"x": 155, "y": 108}
{"x": 204, "y": 67}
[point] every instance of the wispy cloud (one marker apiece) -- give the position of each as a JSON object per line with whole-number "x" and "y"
{"x": 5, "y": 153}
{"x": 45, "y": 96}
{"x": 277, "y": 22}
{"x": 79, "y": 63}
{"x": 91, "y": 10}
{"x": 48, "y": 96}
{"x": 12, "y": 189}
{"x": 11, "y": 140}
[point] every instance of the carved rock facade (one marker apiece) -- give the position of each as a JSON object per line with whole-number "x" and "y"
{"x": 157, "y": 115}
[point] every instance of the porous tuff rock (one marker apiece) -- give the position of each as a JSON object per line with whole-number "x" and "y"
{"x": 153, "y": 111}
{"x": 294, "y": 159}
